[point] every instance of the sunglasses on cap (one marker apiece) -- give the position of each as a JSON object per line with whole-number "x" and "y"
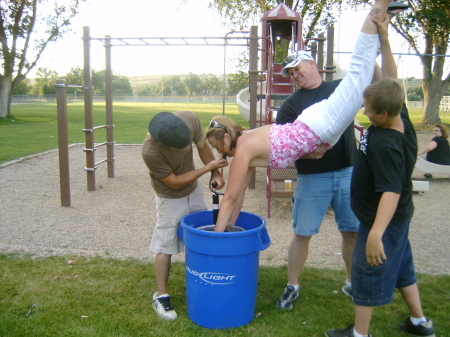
{"x": 214, "y": 124}
{"x": 298, "y": 56}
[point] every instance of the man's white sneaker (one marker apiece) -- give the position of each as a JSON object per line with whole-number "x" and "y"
{"x": 163, "y": 307}
{"x": 289, "y": 296}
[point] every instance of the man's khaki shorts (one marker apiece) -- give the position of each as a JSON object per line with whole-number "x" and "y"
{"x": 169, "y": 213}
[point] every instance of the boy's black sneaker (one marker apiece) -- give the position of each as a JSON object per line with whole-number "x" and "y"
{"x": 346, "y": 332}
{"x": 397, "y": 5}
{"x": 424, "y": 329}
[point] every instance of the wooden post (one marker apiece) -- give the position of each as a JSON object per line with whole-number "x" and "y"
{"x": 109, "y": 108}
{"x": 330, "y": 68}
{"x": 314, "y": 50}
{"x": 88, "y": 112}
{"x": 320, "y": 44}
{"x": 253, "y": 74}
{"x": 63, "y": 142}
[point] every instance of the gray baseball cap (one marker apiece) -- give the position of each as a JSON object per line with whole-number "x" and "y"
{"x": 169, "y": 130}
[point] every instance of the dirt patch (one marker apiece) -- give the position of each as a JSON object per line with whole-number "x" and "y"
{"x": 117, "y": 219}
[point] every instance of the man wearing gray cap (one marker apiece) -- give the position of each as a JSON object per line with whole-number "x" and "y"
{"x": 321, "y": 183}
{"x": 168, "y": 153}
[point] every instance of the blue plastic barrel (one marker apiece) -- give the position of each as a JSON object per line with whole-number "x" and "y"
{"x": 222, "y": 269}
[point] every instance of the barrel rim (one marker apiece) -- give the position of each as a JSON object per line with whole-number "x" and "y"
{"x": 207, "y": 233}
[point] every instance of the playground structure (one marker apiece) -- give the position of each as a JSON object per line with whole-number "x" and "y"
{"x": 249, "y": 39}
{"x": 279, "y": 25}
{"x": 429, "y": 167}
{"x": 282, "y": 30}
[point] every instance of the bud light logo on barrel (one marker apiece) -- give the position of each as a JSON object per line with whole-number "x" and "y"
{"x": 212, "y": 278}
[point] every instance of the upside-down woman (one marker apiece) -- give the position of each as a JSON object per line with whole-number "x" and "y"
{"x": 316, "y": 129}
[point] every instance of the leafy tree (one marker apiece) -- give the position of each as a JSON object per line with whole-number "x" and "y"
{"x": 426, "y": 28}
{"x": 121, "y": 85}
{"x": 415, "y": 94}
{"x": 26, "y": 27}
{"x": 171, "y": 85}
{"x": 177, "y": 85}
{"x": 23, "y": 88}
{"x": 98, "y": 81}
{"x": 237, "y": 81}
{"x": 212, "y": 83}
{"x": 75, "y": 76}
{"x": 192, "y": 83}
{"x": 45, "y": 82}
{"x": 240, "y": 79}
{"x": 144, "y": 90}
{"x": 166, "y": 85}
{"x": 315, "y": 14}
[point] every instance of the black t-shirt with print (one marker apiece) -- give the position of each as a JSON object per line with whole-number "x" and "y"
{"x": 384, "y": 163}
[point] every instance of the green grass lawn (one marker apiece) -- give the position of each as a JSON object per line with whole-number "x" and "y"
{"x": 108, "y": 297}
{"x": 32, "y": 128}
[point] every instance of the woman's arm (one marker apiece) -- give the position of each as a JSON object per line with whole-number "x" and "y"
{"x": 238, "y": 181}
{"x": 431, "y": 146}
{"x": 378, "y": 11}
{"x": 388, "y": 66}
{"x": 238, "y": 205}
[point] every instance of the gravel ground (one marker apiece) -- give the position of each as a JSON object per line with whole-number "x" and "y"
{"x": 117, "y": 218}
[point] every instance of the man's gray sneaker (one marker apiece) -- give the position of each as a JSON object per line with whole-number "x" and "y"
{"x": 346, "y": 332}
{"x": 424, "y": 329}
{"x": 347, "y": 289}
{"x": 163, "y": 307}
{"x": 289, "y": 296}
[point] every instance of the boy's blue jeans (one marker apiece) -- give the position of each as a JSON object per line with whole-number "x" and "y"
{"x": 374, "y": 286}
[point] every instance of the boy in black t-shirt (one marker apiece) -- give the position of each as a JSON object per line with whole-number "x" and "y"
{"x": 381, "y": 196}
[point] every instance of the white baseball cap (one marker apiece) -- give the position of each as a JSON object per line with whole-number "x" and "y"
{"x": 294, "y": 60}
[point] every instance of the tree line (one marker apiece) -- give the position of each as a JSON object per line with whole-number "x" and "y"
{"x": 44, "y": 83}
{"x": 168, "y": 85}
{"x": 185, "y": 85}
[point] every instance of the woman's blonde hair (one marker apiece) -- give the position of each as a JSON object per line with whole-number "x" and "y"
{"x": 443, "y": 130}
{"x": 222, "y": 125}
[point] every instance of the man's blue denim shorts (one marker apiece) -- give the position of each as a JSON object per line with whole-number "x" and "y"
{"x": 315, "y": 193}
{"x": 374, "y": 286}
